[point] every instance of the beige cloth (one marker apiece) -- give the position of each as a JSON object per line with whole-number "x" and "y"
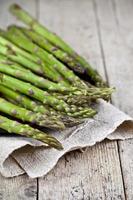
{"x": 20, "y": 155}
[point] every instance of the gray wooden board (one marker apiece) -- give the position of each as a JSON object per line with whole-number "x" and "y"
{"x": 101, "y": 30}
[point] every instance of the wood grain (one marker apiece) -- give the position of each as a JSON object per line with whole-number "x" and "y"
{"x": 16, "y": 188}
{"x": 88, "y": 175}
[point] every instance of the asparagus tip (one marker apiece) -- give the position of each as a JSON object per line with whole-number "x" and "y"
{"x": 57, "y": 145}
{"x": 14, "y": 6}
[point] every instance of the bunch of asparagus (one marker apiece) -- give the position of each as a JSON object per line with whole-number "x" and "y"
{"x": 38, "y": 83}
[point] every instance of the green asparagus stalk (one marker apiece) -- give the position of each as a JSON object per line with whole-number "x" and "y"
{"x": 13, "y": 54}
{"x": 58, "y": 42}
{"x": 12, "y": 126}
{"x": 27, "y": 103}
{"x": 51, "y": 48}
{"x": 5, "y": 42}
{"x": 28, "y": 60}
{"x": 92, "y": 95}
{"x": 73, "y": 99}
{"x": 30, "y": 90}
{"x": 68, "y": 120}
{"x": 15, "y": 70}
{"x": 44, "y": 97}
{"x": 22, "y": 100}
{"x": 29, "y": 116}
{"x": 17, "y": 37}
{"x": 19, "y": 72}
{"x": 96, "y": 93}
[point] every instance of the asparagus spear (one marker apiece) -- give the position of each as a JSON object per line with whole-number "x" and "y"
{"x": 23, "y": 100}
{"x": 51, "y": 48}
{"x": 23, "y": 129}
{"x": 17, "y": 37}
{"x": 19, "y": 72}
{"x": 44, "y": 97}
{"x": 17, "y": 57}
{"x": 9, "y": 49}
{"x": 68, "y": 120}
{"x": 58, "y": 42}
{"x": 92, "y": 95}
{"x": 15, "y": 70}
{"x": 29, "y": 116}
{"x": 96, "y": 93}
{"x": 30, "y": 90}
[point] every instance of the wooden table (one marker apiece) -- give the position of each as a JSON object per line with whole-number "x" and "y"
{"x": 102, "y": 31}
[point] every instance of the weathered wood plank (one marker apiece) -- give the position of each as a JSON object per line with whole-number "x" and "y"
{"x": 124, "y": 18}
{"x": 117, "y": 35}
{"x": 89, "y": 175}
{"x": 16, "y": 188}
{"x": 20, "y": 187}
{"x": 84, "y": 176}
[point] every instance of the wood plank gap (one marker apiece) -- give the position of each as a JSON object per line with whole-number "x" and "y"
{"x": 122, "y": 174}
{"x": 37, "y": 194}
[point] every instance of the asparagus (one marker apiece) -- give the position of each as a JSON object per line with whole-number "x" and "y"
{"x": 12, "y": 53}
{"x": 30, "y": 90}
{"x": 67, "y": 120}
{"x": 28, "y": 60}
{"x": 15, "y": 70}
{"x": 92, "y": 95}
{"x": 24, "y": 101}
{"x": 44, "y": 97}
{"x": 51, "y": 48}
{"x": 17, "y": 36}
{"x": 59, "y": 43}
{"x": 23, "y": 129}
{"x": 19, "y": 72}
{"x": 13, "y": 49}
{"x": 29, "y": 116}
{"x": 96, "y": 93}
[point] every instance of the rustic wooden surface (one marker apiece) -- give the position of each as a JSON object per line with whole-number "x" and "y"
{"x": 102, "y": 31}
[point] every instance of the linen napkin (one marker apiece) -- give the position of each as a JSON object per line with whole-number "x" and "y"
{"x": 19, "y": 155}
